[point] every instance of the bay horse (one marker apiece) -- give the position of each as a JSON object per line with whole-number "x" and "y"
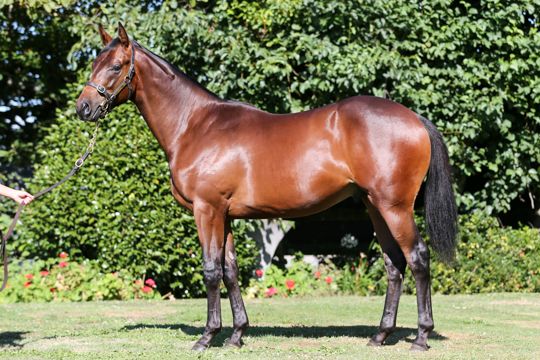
{"x": 230, "y": 160}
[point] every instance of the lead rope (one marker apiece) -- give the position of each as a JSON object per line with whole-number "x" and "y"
{"x": 78, "y": 164}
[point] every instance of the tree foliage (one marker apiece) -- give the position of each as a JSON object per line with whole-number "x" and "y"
{"x": 34, "y": 68}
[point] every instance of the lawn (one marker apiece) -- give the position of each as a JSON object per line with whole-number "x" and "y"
{"x": 466, "y": 327}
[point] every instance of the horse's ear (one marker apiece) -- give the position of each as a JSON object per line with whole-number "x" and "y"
{"x": 122, "y": 35}
{"x": 105, "y": 37}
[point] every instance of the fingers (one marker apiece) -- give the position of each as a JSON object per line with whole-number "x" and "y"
{"x": 22, "y": 197}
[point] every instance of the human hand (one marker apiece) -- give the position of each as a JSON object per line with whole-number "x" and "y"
{"x": 21, "y": 197}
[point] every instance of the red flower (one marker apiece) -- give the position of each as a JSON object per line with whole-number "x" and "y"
{"x": 328, "y": 280}
{"x": 63, "y": 255}
{"x": 289, "y": 284}
{"x": 317, "y": 274}
{"x": 270, "y": 292}
{"x": 63, "y": 264}
{"x": 27, "y": 284}
{"x": 43, "y": 273}
{"x": 146, "y": 289}
{"x": 150, "y": 283}
{"x": 259, "y": 273}
{"x": 29, "y": 276}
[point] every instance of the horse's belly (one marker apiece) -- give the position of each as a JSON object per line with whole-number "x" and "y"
{"x": 290, "y": 200}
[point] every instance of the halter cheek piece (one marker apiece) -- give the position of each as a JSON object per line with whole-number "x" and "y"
{"x": 106, "y": 104}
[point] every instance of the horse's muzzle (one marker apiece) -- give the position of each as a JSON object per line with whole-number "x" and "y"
{"x": 86, "y": 113}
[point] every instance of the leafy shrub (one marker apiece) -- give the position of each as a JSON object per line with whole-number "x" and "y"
{"x": 362, "y": 278}
{"x": 60, "y": 279}
{"x": 490, "y": 258}
{"x": 469, "y": 68}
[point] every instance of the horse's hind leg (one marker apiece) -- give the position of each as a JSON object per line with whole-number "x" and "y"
{"x": 395, "y": 264}
{"x": 230, "y": 277}
{"x": 400, "y": 221}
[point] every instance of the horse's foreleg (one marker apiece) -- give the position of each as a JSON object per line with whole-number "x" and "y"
{"x": 211, "y": 229}
{"x": 395, "y": 263}
{"x": 240, "y": 319}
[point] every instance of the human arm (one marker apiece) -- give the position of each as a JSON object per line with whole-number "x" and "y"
{"x": 21, "y": 197}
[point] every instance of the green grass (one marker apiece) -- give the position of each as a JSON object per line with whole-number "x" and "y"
{"x": 505, "y": 326}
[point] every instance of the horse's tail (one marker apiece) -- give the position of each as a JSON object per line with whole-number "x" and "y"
{"x": 439, "y": 201}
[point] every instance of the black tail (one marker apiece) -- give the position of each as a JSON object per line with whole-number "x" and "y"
{"x": 439, "y": 201}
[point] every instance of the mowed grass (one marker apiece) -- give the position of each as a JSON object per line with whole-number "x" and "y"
{"x": 503, "y": 326}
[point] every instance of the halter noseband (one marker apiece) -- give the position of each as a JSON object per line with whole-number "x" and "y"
{"x": 107, "y": 103}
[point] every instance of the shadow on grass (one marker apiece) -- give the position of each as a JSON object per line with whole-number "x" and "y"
{"x": 12, "y": 339}
{"x": 365, "y": 331}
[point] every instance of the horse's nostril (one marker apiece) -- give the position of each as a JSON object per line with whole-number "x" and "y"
{"x": 85, "y": 109}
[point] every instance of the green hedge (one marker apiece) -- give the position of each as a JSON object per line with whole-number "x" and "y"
{"x": 490, "y": 258}
{"x": 473, "y": 70}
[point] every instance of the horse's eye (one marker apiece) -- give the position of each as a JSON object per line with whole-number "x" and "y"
{"x": 116, "y": 67}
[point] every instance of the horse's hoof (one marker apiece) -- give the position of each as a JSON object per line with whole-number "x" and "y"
{"x": 419, "y": 347}
{"x": 372, "y": 342}
{"x": 199, "y": 347}
{"x": 236, "y": 344}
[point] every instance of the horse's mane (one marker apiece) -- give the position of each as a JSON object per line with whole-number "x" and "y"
{"x": 170, "y": 69}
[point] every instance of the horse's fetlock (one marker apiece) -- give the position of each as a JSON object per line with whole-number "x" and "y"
{"x": 213, "y": 329}
{"x": 387, "y": 328}
{"x": 426, "y": 325}
{"x": 241, "y": 324}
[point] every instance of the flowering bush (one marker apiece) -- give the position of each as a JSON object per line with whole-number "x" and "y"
{"x": 60, "y": 279}
{"x": 299, "y": 279}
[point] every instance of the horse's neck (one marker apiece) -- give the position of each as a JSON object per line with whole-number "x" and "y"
{"x": 168, "y": 101}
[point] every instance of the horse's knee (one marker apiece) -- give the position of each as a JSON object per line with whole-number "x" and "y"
{"x": 212, "y": 274}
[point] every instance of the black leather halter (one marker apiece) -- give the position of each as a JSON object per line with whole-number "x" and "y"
{"x": 106, "y": 104}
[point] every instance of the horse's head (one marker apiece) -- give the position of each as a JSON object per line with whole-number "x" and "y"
{"x": 111, "y": 82}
